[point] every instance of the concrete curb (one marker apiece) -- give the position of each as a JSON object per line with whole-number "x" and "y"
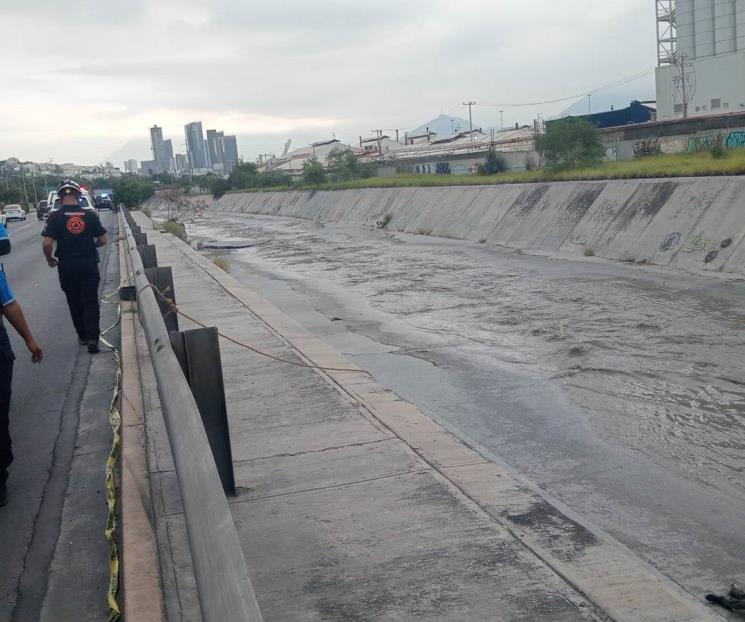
{"x": 141, "y": 579}
{"x": 622, "y": 585}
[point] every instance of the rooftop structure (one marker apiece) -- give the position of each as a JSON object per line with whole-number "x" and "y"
{"x": 701, "y": 57}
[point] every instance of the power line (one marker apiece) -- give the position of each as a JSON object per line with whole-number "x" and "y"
{"x": 606, "y": 87}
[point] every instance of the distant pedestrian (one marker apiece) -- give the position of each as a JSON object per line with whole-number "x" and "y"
{"x": 10, "y": 309}
{"x": 78, "y": 233}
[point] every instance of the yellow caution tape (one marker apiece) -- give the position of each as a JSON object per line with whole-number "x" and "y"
{"x": 112, "y": 520}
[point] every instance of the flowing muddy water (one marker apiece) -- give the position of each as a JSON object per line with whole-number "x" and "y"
{"x": 618, "y": 389}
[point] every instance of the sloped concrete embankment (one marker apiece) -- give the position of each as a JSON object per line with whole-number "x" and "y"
{"x": 696, "y": 224}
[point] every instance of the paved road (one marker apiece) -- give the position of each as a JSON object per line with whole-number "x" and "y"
{"x": 46, "y": 411}
{"x": 616, "y": 389}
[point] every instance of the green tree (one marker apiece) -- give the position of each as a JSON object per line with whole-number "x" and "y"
{"x": 343, "y": 165}
{"x": 494, "y": 164}
{"x": 11, "y": 195}
{"x": 313, "y": 172}
{"x": 570, "y": 143}
{"x": 185, "y": 184}
{"x": 244, "y": 175}
{"x": 219, "y": 187}
{"x": 131, "y": 190}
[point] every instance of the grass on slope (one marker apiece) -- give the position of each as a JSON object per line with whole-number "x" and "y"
{"x": 678, "y": 165}
{"x": 668, "y": 165}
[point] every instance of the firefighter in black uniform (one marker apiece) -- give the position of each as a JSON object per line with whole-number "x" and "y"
{"x": 78, "y": 232}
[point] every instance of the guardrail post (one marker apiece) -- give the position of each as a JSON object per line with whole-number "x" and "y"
{"x": 198, "y": 352}
{"x": 223, "y": 582}
{"x": 140, "y": 239}
{"x": 148, "y": 255}
{"x": 162, "y": 280}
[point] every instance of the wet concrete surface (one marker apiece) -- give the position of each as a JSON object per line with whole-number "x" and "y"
{"x": 616, "y": 389}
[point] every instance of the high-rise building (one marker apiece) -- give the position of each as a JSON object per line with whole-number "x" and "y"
{"x": 701, "y": 57}
{"x": 158, "y": 147}
{"x": 131, "y": 166}
{"x": 215, "y": 148}
{"x": 230, "y": 153}
{"x": 181, "y": 163}
{"x": 168, "y": 155}
{"x": 195, "y": 145}
{"x": 148, "y": 167}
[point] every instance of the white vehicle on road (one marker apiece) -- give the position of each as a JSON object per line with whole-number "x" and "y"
{"x": 86, "y": 202}
{"x": 14, "y": 212}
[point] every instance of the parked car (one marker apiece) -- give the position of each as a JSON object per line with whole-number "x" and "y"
{"x": 14, "y": 212}
{"x": 42, "y": 209}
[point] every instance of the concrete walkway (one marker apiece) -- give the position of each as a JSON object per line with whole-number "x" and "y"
{"x": 354, "y": 505}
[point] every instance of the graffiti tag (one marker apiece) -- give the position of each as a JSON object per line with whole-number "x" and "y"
{"x": 725, "y": 243}
{"x": 670, "y": 242}
{"x": 696, "y": 243}
{"x": 673, "y": 145}
{"x": 711, "y": 256}
{"x": 735, "y": 140}
{"x": 701, "y": 143}
{"x": 645, "y": 148}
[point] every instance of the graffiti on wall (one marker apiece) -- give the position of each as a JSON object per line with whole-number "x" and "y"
{"x": 735, "y": 140}
{"x": 646, "y": 148}
{"x": 703, "y": 142}
{"x": 686, "y": 144}
{"x": 669, "y": 242}
{"x": 611, "y": 154}
{"x": 697, "y": 242}
{"x": 673, "y": 145}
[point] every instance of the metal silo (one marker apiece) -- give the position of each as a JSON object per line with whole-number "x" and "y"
{"x": 684, "y": 21}
{"x": 725, "y": 33}
{"x": 740, "y": 23}
{"x": 703, "y": 28}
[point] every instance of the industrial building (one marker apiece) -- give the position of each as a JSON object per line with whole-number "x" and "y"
{"x": 701, "y": 58}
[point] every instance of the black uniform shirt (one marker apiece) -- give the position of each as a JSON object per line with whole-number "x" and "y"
{"x": 75, "y": 229}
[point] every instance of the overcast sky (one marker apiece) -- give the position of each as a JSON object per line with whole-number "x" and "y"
{"x": 82, "y": 80}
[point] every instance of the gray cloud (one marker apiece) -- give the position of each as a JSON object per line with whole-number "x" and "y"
{"x": 268, "y": 67}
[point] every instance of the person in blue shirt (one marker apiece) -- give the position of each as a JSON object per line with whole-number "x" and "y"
{"x": 12, "y": 311}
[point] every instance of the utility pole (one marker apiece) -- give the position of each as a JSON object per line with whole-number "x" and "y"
{"x": 589, "y": 103}
{"x": 470, "y": 104}
{"x": 683, "y": 81}
{"x": 501, "y": 119}
{"x": 379, "y": 134}
{"x": 33, "y": 181}
{"x": 23, "y": 179}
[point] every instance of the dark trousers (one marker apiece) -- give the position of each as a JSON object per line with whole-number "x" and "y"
{"x": 6, "y": 453}
{"x": 79, "y": 280}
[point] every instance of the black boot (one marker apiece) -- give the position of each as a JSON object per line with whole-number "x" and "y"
{"x": 3, "y": 494}
{"x": 93, "y": 346}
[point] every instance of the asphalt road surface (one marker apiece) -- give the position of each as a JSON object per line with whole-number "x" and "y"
{"x": 55, "y": 422}
{"x": 616, "y": 390}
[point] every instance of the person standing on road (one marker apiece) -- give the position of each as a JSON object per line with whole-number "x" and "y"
{"x": 10, "y": 309}
{"x": 78, "y": 233}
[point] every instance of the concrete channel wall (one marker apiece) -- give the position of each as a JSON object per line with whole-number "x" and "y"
{"x": 696, "y": 223}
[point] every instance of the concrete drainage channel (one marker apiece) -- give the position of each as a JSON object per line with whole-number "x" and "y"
{"x": 223, "y": 584}
{"x": 689, "y": 223}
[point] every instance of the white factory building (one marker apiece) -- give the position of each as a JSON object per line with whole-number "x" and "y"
{"x": 702, "y": 58}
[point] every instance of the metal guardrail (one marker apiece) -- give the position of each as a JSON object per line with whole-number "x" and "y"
{"x": 223, "y": 584}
